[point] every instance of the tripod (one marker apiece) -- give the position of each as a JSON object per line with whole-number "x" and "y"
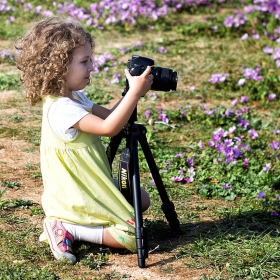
{"x": 133, "y": 133}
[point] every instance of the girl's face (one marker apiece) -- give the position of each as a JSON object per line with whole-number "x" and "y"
{"x": 79, "y": 69}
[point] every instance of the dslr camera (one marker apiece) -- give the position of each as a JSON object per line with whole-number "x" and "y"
{"x": 164, "y": 79}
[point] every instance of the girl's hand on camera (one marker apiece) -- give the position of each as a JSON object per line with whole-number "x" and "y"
{"x": 140, "y": 85}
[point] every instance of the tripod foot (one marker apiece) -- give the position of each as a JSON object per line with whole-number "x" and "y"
{"x": 142, "y": 245}
{"x": 172, "y": 218}
{"x": 141, "y": 263}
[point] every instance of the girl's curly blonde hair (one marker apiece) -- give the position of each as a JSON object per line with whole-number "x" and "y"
{"x": 44, "y": 53}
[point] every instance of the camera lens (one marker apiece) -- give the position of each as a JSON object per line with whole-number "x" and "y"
{"x": 164, "y": 79}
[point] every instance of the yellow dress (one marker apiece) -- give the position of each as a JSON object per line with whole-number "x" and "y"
{"x": 78, "y": 187}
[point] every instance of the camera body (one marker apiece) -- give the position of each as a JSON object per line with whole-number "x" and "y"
{"x": 165, "y": 79}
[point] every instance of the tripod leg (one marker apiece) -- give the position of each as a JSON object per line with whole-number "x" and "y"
{"x": 167, "y": 206}
{"x": 140, "y": 231}
{"x": 113, "y": 147}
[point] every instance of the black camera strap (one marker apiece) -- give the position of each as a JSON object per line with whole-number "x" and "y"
{"x": 124, "y": 175}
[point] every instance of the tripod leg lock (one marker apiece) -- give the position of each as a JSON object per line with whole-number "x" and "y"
{"x": 142, "y": 245}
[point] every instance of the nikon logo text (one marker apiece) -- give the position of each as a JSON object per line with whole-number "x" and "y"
{"x": 124, "y": 178}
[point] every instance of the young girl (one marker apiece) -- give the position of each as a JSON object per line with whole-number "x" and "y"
{"x": 80, "y": 199}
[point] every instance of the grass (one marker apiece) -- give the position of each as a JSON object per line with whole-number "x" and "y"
{"x": 229, "y": 233}
{"x": 249, "y": 248}
{"x": 9, "y": 82}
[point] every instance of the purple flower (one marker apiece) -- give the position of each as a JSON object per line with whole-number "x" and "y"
{"x": 246, "y": 162}
{"x": 147, "y": 114}
{"x": 152, "y": 182}
{"x": 271, "y": 96}
{"x": 10, "y": 19}
{"x": 115, "y": 79}
{"x": 274, "y": 214}
{"x": 153, "y": 95}
{"x": 190, "y": 162}
{"x": 6, "y": 54}
{"x": 244, "y": 36}
{"x": 274, "y": 145}
{"x": 276, "y": 54}
{"x": 227, "y": 186}
{"x": 178, "y": 156}
{"x": 236, "y": 152}
{"x": 163, "y": 117}
{"x": 47, "y": 13}
{"x": 250, "y": 73}
{"x": 139, "y": 44}
{"x": 254, "y": 134}
{"x": 205, "y": 107}
{"x": 232, "y": 129}
{"x": 268, "y": 49}
{"x": 89, "y": 21}
{"x": 124, "y": 50}
{"x": 200, "y": 144}
{"x": 116, "y": 75}
{"x": 242, "y": 122}
{"x": 211, "y": 143}
{"x": 210, "y": 112}
{"x": 189, "y": 179}
{"x": 244, "y": 99}
{"x": 256, "y": 36}
{"x": 191, "y": 172}
{"x": 241, "y": 82}
{"x": 235, "y": 21}
{"x": 218, "y": 78}
{"x": 227, "y": 113}
{"x": 162, "y": 50}
{"x": 168, "y": 163}
{"x": 267, "y": 167}
{"x": 218, "y": 134}
{"x": 181, "y": 171}
{"x": 261, "y": 194}
{"x": 234, "y": 102}
{"x": 249, "y": 9}
{"x": 177, "y": 179}
{"x": 100, "y": 61}
{"x": 28, "y": 7}
{"x": 228, "y": 142}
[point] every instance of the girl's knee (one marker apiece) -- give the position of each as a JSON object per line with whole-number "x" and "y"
{"x": 145, "y": 200}
{"x": 109, "y": 240}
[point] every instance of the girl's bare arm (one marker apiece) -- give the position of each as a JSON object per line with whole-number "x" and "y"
{"x": 105, "y": 122}
{"x": 103, "y": 112}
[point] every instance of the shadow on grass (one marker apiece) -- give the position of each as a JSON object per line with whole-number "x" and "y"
{"x": 252, "y": 231}
{"x": 248, "y": 225}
